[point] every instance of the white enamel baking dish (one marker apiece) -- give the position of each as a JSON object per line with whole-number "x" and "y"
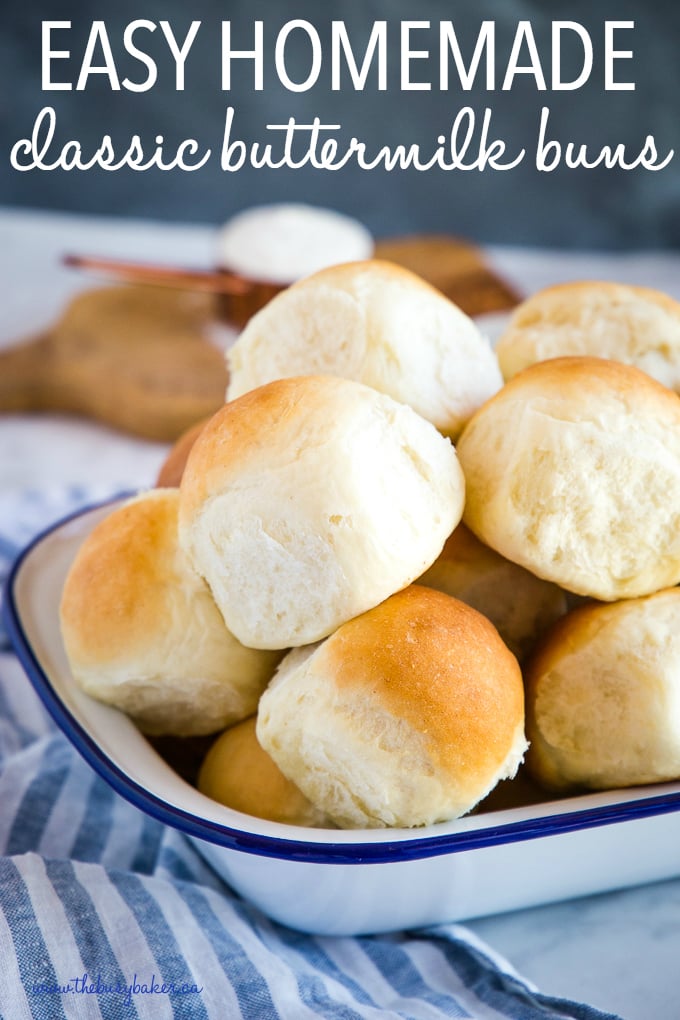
{"x": 332, "y": 881}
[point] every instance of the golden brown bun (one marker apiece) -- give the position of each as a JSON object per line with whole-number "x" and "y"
{"x": 237, "y": 772}
{"x": 635, "y": 325}
{"x": 406, "y": 715}
{"x": 379, "y": 324}
{"x": 172, "y": 468}
{"x": 142, "y": 632}
{"x": 573, "y": 471}
{"x": 310, "y": 500}
{"x": 520, "y": 605}
{"x": 603, "y": 696}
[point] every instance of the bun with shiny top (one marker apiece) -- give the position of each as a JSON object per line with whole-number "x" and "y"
{"x": 142, "y": 631}
{"x": 407, "y": 715}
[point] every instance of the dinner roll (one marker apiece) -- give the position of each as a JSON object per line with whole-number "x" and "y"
{"x": 379, "y": 324}
{"x": 237, "y": 772}
{"x": 309, "y": 500}
{"x": 142, "y": 632}
{"x": 573, "y": 471}
{"x": 603, "y": 696}
{"x": 407, "y": 715}
{"x": 520, "y": 605}
{"x": 636, "y": 325}
{"x": 172, "y": 468}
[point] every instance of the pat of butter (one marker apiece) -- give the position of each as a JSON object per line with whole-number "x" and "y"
{"x": 282, "y": 243}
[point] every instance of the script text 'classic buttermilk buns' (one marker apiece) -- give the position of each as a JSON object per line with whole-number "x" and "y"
{"x": 407, "y": 715}
{"x": 635, "y": 325}
{"x": 603, "y": 696}
{"x": 142, "y": 632}
{"x": 378, "y": 324}
{"x": 308, "y": 501}
{"x": 573, "y": 471}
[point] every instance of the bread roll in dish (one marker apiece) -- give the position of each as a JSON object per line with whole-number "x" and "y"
{"x": 378, "y": 324}
{"x": 407, "y": 715}
{"x": 142, "y": 632}
{"x": 308, "y": 501}
{"x": 573, "y": 471}
{"x": 520, "y": 605}
{"x": 171, "y": 470}
{"x": 603, "y": 696}
{"x": 237, "y": 772}
{"x": 636, "y": 325}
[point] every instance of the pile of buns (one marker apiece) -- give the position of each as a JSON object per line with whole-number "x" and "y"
{"x": 359, "y": 609}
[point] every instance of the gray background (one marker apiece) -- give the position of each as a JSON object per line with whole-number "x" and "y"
{"x": 606, "y": 209}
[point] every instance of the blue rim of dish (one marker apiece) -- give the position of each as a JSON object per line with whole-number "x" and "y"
{"x": 408, "y": 848}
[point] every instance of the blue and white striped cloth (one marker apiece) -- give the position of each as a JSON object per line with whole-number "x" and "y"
{"x": 107, "y": 914}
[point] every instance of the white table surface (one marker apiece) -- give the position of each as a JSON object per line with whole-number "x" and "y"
{"x": 619, "y": 951}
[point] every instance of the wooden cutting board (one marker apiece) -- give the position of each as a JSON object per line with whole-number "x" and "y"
{"x": 456, "y": 268}
{"x": 139, "y": 358}
{"x": 135, "y": 357}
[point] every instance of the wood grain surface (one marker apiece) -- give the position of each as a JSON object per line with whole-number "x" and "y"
{"x": 135, "y": 357}
{"x": 456, "y": 268}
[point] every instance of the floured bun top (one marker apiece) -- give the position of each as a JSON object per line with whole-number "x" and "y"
{"x": 636, "y": 325}
{"x": 379, "y": 324}
{"x": 310, "y": 500}
{"x": 573, "y": 471}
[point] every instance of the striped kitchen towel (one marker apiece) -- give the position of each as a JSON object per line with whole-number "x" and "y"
{"x": 105, "y": 913}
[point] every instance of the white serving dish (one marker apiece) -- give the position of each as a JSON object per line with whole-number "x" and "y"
{"x": 332, "y": 881}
